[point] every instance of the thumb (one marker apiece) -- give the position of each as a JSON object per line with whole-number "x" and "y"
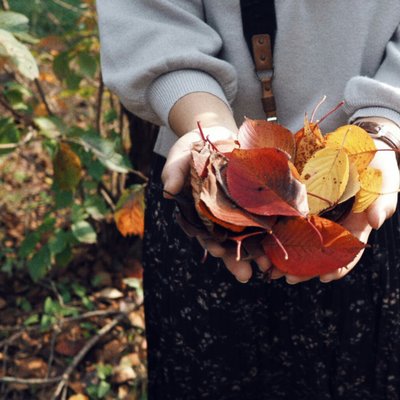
{"x": 177, "y": 166}
{"x": 173, "y": 176}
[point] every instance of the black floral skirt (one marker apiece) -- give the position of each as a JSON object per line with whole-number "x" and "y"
{"x": 211, "y": 337}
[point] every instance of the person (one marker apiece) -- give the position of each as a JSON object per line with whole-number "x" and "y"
{"x": 218, "y": 330}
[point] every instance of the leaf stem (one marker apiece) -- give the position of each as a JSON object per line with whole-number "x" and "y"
{"x": 279, "y": 243}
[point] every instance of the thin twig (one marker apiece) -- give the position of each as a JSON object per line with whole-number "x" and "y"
{"x": 10, "y": 146}
{"x": 30, "y": 381}
{"x": 8, "y": 107}
{"x": 121, "y": 119}
{"x": 99, "y": 104}
{"x": 5, "y": 5}
{"x": 21, "y": 329}
{"x": 52, "y": 346}
{"x": 78, "y": 358}
{"x": 43, "y": 96}
{"x": 67, "y": 6}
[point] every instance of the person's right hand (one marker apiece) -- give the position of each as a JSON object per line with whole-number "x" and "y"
{"x": 174, "y": 176}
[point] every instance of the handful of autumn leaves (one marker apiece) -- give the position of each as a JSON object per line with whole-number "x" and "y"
{"x": 276, "y": 193}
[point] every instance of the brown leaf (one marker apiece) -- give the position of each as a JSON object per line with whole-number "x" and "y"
{"x": 308, "y": 141}
{"x": 67, "y": 168}
{"x": 68, "y": 347}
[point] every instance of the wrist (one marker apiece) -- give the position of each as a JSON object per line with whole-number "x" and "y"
{"x": 382, "y": 130}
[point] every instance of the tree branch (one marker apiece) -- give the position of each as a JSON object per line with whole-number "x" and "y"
{"x": 99, "y": 104}
{"x": 78, "y": 358}
{"x": 43, "y": 96}
{"x": 5, "y": 5}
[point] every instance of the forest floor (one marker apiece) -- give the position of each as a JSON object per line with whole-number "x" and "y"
{"x": 78, "y": 334}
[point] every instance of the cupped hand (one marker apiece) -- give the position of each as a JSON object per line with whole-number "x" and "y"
{"x": 174, "y": 176}
{"x": 361, "y": 224}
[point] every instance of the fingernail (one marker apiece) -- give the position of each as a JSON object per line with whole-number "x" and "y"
{"x": 291, "y": 281}
{"x": 242, "y": 281}
{"x": 325, "y": 280}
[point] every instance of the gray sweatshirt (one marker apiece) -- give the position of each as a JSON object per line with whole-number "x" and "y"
{"x": 154, "y": 52}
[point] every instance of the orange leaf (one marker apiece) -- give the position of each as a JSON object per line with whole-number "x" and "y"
{"x": 258, "y": 134}
{"x": 129, "y": 216}
{"x": 300, "y": 251}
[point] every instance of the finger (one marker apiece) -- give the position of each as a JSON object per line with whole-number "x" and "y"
{"x": 382, "y": 209}
{"x": 341, "y": 272}
{"x": 212, "y": 246}
{"x": 240, "y": 269}
{"x": 294, "y": 279}
{"x": 177, "y": 166}
{"x": 263, "y": 263}
{"x": 357, "y": 224}
{"x": 174, "y": 174}
{"x": 276, "y": 273}
{"x": 385, "y": 205}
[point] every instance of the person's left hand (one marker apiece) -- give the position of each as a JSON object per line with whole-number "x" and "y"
{"x": 361, "y": 224}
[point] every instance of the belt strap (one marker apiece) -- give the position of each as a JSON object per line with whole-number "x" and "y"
{"x": 262, "y": 55}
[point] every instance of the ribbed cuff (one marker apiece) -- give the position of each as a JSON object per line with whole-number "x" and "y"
{"x": 170, "y": 87}
{"x": 376, "y": 112}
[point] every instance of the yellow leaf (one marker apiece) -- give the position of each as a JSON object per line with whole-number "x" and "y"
{"x": 371, "y": 185}
{"x": 67, "y": 168}
{"x": 353, "y": 184}
{"x": 129, "y": 216}
{"x": 325, "y": 175}
{"x": 359, "y": 145}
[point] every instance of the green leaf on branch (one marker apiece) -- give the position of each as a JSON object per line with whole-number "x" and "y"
{"x": 59, "y": 242}
{"x": 104, "y": 150}
{"x": 96, "y": 207}
{"x": 13, "y": 22}
{"x": 50, "y": 127}
{"x": 84, "y": 232}
{"x": 73, "y": 81}
{"x": 9, "y": 134}
{"x": 28, "y": 244}
{"x": 78, "y": 213}
{"x": 61, "y": 65}
{"x": 47, "y": 224}
{"x": 87, "y": 64}
{"x": 63, "y": 198}
{"x": 40, "y": 263}
{"x": 18, "y": 55}
{"x": 64, "y": 258}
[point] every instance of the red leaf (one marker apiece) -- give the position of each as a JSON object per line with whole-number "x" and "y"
{"x": 258, "y": 134}
{"x": 261, "y": 181}
{"x": 306, "y": 256}
{"x": 221, "y": 210}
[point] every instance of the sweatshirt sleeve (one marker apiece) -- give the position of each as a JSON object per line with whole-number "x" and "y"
{"x": 378, "y": 96}
{"x": 153, "y": 52}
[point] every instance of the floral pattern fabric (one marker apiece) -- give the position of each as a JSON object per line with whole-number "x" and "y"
{"x": 211, "y": 337}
